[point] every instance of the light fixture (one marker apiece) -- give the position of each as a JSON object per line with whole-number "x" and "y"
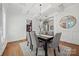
{"x": 40, "y": 19}
{"x": 40, "y": 12}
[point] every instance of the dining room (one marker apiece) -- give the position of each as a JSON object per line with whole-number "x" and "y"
{"x": 39, "y": 29}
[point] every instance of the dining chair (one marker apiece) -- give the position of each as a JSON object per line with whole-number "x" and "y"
{"x": 33, "y": 42}
{"x": 55, "y": 42}
{"x": 50, "y": 33}
{"x": 29, "y": 41}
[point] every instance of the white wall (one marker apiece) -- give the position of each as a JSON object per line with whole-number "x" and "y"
{"x": 69, "y": 35}
{"x": 15, "y": 27}
{"x": 35, "y": 25}
{"x": 15, "y": 23}
{"x": 0, "y": 28}
{"x": 3, "y": 41}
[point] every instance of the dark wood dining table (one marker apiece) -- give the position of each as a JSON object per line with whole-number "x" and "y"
{"x": 46, "y": 39}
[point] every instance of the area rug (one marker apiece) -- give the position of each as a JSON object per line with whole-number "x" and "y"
{"x": 27, "y": 51}
{"x": 64, "y": 51}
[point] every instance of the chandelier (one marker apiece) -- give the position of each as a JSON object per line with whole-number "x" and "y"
{"x": 40, "y": 12}
{"x": 40, "y": 15}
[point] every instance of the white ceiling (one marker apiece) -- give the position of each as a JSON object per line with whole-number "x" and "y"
{"x": 33, "y": 9}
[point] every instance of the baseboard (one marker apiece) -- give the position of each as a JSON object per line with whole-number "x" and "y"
{"x": 69, "y": 43}
{"x": 4, "y": 49}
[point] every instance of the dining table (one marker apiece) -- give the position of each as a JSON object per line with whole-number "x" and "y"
{"x": 46, "y": 39}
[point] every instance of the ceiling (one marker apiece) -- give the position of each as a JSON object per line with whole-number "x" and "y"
{"x": 33, "y": 9}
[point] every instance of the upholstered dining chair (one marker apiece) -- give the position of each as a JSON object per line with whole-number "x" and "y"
{"x": 29, "y": 41}
{"x": 50, "y": 33}
{"x": 33, "y": 42}
{"x": 55, "y": 42}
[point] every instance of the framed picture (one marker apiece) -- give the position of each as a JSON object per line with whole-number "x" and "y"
{"x": 29, "y": 25}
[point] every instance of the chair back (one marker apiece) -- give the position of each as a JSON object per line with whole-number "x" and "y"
{"x": 29, "y": 41}
{"x": 33, "y": 41}
{"x": 50, "y": 33}
{"x": 56, "y": 40}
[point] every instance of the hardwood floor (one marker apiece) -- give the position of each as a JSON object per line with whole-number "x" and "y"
{"x": 13, "y": 48}
{"x": 75, "y": 48}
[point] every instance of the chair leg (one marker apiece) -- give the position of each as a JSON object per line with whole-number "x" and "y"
{"x": 36, "y": 51}
{"x": 58, "y": 48}
{"x": 54, "y": 52}
{"x": 43, "y": 47}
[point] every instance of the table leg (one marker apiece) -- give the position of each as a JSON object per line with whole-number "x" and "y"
{"x": 46, "y": 54}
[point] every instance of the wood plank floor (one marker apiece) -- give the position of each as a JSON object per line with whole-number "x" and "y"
{"x": 13, "y": 48}
{"x": 75, "y": 48}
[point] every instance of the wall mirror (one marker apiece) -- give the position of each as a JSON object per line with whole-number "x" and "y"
{"x": 48, "y": 26}
{"x": 67, "y": 22}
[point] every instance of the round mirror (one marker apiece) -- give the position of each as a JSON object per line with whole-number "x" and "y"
{"x": 67, "y": 22}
